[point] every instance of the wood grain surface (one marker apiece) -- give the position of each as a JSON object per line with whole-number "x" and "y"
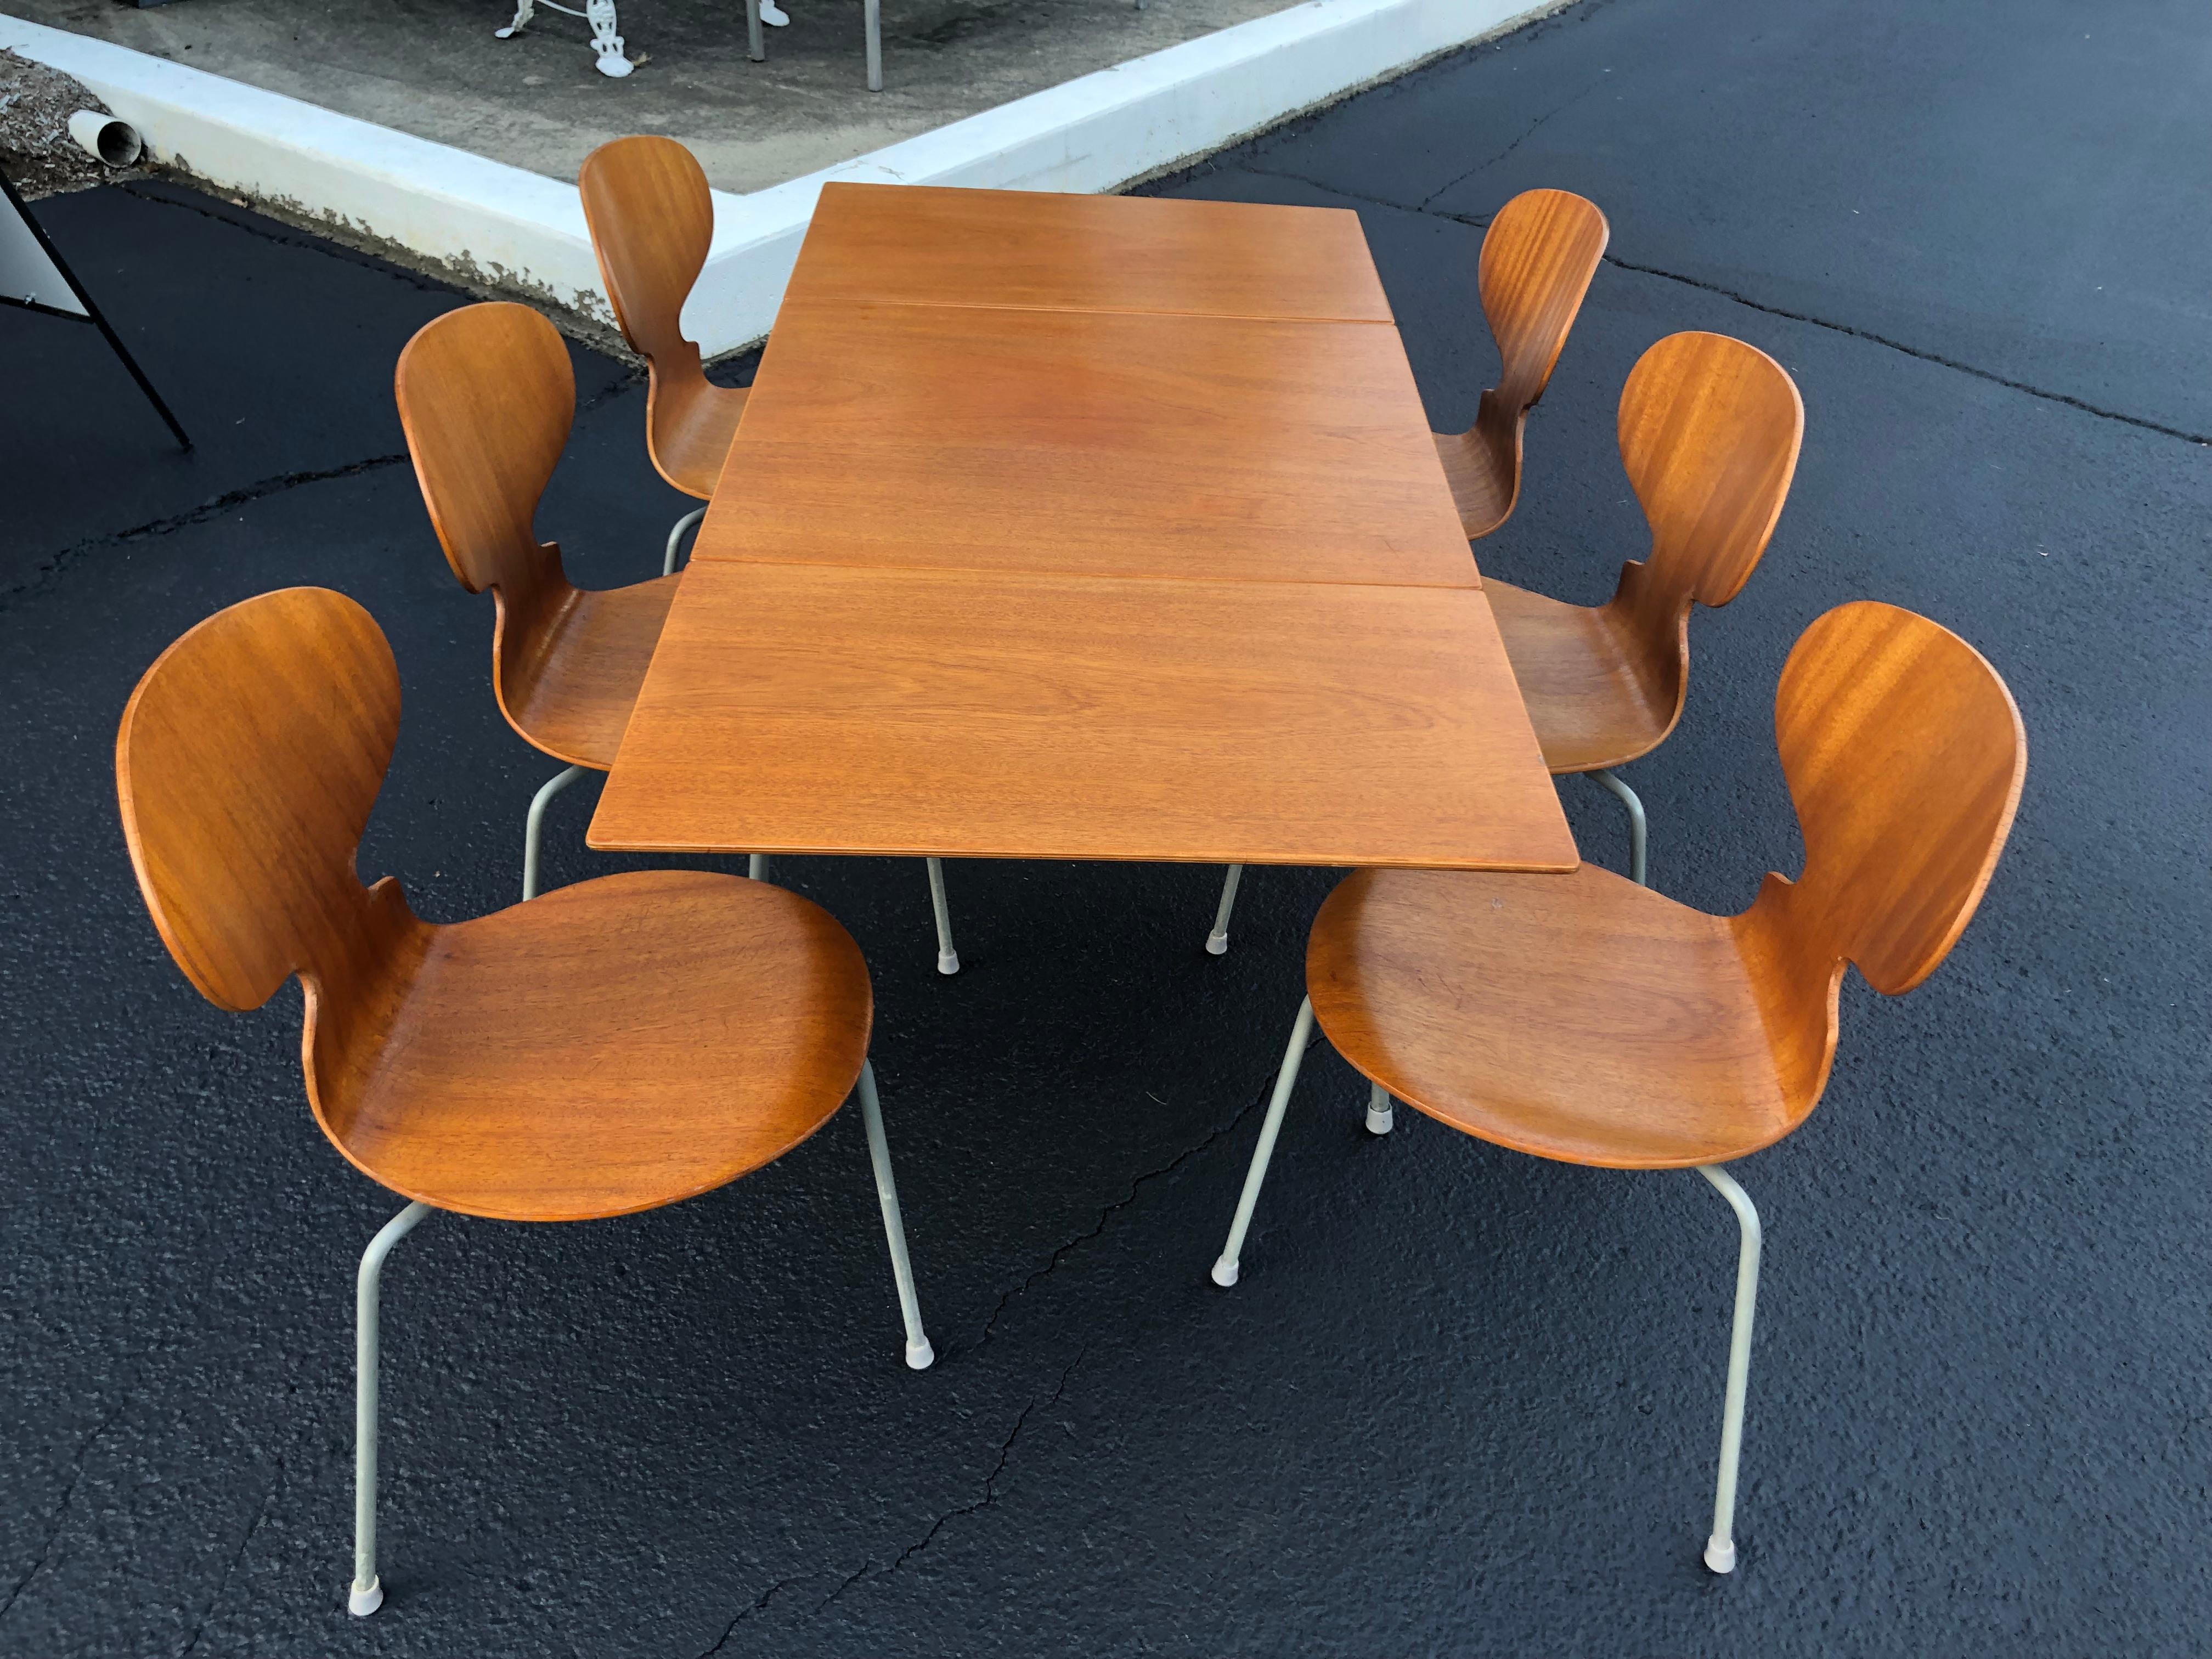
{"x": 1093, "y": 443}
{"x": 612, "y": 1047}
{"x": 1538, "y": 254}
{"x": 820, "y": 708}
{"x": 652, "y": 221}
{"x": 921, "y": 244}
{"x": 1595, "y": 1021}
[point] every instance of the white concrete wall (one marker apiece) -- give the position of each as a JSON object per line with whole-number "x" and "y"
{"x": 510, "y": 228}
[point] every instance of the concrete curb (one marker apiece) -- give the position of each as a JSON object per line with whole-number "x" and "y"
{"x": 493, "y": 226}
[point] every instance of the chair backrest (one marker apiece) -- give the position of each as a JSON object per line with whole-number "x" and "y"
{"x": 1538, "y": 256}
{"x": 1709, "y": 429}
{"x": 486, "y": 398}
{"x": 652, "y": 220}
{"x": 246, "y": 764}
{"x": 1905, "y": 754}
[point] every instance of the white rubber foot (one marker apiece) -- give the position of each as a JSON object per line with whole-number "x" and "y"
{"x": 1225, "y": 1272}
{"x": 1720, "y": 1554}
{"x": 948, "y": 962}
{"x": 1217, "y": 944}
{"x": 615, "y": 67}
{"x": 362, "y": 1603}
{"x": 502, "y": 34}
{"x": 773, "y": 14}
{"x": 919, "y": 1356}
{"x": 1380, "y": 1123}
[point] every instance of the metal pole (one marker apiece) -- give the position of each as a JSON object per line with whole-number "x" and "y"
{"x": 1225, "y": 1270}
{"x": 1720, "y": 1548}
{"x": 367, "y": 1594}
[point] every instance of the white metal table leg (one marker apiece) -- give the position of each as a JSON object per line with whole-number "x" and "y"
{"x": 871, "y": 14}
{"x": 754, "y": 48}
{"x": 689, "y": 521}
{"x": 1225, "y": 1270}
{"x": 1720, "y": 1548}
{"x": 534, "y": 825}
{"x": 1380, "y": 1121}
{"x": 919, "y": 1354}
{"x": 368, "y": 1593}
{"x": 756, "y": 866}
{"x": 948, "y": 959}
{"x": 1217, "y": 942}
{"x": 1636, "y": 846}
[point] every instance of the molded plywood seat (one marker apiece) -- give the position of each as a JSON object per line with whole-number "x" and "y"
{"x": 651, "y": 221}
{"x": 1538, "y": 256}
{"x": 569, "y": 689}
{"x": 1584, "y": 1018}
{"x": 618, "y": 1046}
{"x": 1587, "y": 1019}
{"x": 612, "y": 1047}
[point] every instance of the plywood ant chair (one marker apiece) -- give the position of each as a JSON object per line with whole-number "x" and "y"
{"x": 1709, "y": 429}
{"x": 613, "y": 1047}
{"x": 1589, "y": 1020}
{"x": 1538, "y": 256}
{"x": 651, "y": 221}
{"x": 486, "y": 398}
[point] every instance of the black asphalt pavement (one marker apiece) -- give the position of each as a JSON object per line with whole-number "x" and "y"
{"x": 1463, "y": 1401}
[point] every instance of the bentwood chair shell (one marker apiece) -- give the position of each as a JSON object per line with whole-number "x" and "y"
{"x": 1538, "y": 256}
{"x": 1589, "y": 1020}
{"x": 1709, "y": 429}
{"x": 613, "y": 1047}
{"x": 651, "y": 221}
{"x": 486, "y": 398}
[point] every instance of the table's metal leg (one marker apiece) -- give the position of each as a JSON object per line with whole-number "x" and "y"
{"x": 754, "y": 49}
{"x": 873, "y": 11}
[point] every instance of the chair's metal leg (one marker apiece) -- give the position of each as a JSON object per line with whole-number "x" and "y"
{"x": 1627, "y": 796}
{"x": 1217, "y": 942}
{"x": 948, "y": 959}
{"x": 368, "y": 1593}
{"x": 534, "y": 825}
{"x": 689, "y": 521}
{"x": 1380, "y": 1121}
{"x": 919, "y": 1354}
{"x": 871, "y": 13}
{"x": 754, "y": 48}
{"x": 1225, "y": 1270}
{"x": 1720, "y": 1548}
{"x": 756, "y": 866}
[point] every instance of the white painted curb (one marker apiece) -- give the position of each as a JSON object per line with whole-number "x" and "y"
{"x": 500, "y": 226}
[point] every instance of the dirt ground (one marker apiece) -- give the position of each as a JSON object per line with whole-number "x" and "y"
{"x": 36, "y": 151}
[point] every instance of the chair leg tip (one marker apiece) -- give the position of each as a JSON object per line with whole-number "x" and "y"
{"x": 1720, "y": 1553}
{"x": 1380, "y": 1123}
{"x": 1217, "y": 944}
{"x": 361, "y": 1602}
{"x": 948, "y": 962}
{"x": 1225, "y": 1272}
{"x": 919, "y": 1356}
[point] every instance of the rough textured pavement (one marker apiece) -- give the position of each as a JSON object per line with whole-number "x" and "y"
{"x": 1463, "y": 1402}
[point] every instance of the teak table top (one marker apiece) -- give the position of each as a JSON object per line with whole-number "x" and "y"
{"x": 1083, "y": 527}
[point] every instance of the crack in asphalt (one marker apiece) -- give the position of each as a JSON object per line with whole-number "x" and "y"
{"x": 278, "y": 483}
{"x": 1481, "y": 222}
{"x": 1529, "y": 133}
{"x": 303, "y": 239}
{"x": 1107, "y": 1214}
{"x": 758, "y": 1605}
{"x": 990, "y": 1485}
{"x": 61, "y": 1510}
{"x": 58, "y": 566}
{"x": 260, "y": 1514}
